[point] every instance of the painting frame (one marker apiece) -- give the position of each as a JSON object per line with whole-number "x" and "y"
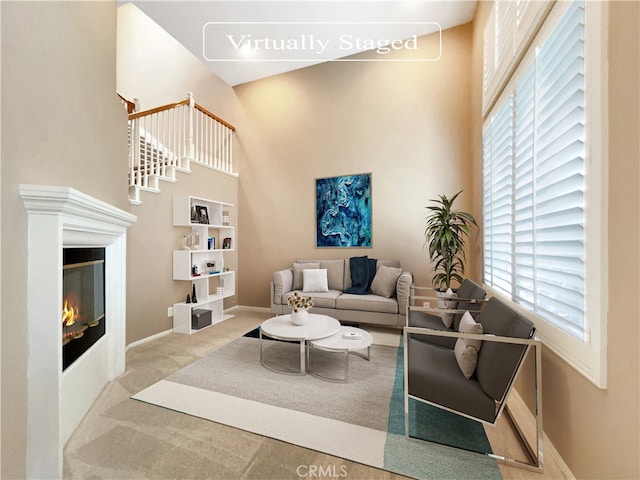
{"x": 202, "y": 213}
{"x": 344, "y": 211}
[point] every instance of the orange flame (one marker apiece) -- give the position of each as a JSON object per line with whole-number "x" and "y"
{"x": 69, "y": 314}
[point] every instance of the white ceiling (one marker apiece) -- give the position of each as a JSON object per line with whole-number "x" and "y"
{"x": 311, "y": 31}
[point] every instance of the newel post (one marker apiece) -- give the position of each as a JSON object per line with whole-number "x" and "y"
{"x": 190, "y": 145}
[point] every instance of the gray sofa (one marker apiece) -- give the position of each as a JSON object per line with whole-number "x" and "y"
{"x": 387, "y": 308}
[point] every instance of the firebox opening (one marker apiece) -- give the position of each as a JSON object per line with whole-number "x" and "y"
{"x": 83, "y": 300}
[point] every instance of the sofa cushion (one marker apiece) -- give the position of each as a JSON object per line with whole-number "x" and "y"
{"x": 298, "y": 268}
{"x": 335, "y": 272}
{"x": 388, "y": 263}
{"x": 314, "y": 280}
{"x": 384, "y": 283}
{"x": 320, "y": 299}
{"x": 367, "y": 303}
{"x": 466, "y": 349}
{"x": 496, "y": 360}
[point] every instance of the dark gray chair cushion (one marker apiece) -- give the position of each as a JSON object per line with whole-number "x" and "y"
{"x": 434, "y": 376}
{"x": 471, "y": 290}
{"x": 468, "y": 290}
{"x": 497, "y": 362}
{"x": 434, "y": 322}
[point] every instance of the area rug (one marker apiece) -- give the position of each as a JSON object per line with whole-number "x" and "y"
{"x": 361, "y": 420}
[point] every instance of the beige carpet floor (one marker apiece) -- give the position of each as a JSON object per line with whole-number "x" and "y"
{"x": 121, "y": 438}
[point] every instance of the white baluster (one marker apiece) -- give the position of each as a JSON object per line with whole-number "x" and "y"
{"x": 230, "y": 151}
{"x": 190, "y": 144}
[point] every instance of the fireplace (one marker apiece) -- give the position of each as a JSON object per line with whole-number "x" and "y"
{"x": 83, "y": 301}
{"x": 61, "y": 222}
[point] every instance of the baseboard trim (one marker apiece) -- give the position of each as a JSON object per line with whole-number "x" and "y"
{"x": 229, "y": 310}
{"x": 249, "y": 308}
{"x": 518, "y": 405}
{"x": 148, "y": 339}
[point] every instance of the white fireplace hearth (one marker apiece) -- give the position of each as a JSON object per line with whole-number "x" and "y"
{"x": 58, "y": 218}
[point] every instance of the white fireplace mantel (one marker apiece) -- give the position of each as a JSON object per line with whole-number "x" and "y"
{"x": 60, "y": 217}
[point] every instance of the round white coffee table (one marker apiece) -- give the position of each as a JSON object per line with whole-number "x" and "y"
{"x": 280, "y": 328}
{"x": 339, "y": 342}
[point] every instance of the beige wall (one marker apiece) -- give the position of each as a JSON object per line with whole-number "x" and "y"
{"x": 156, "y": 69}
{"x": 596, "y": 431}
{"x": 62, "y": 124}
{"x": 406, "y": 123}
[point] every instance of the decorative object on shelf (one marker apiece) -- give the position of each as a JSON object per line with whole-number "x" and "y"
{"x": 200, "y": 318}
{"x": 226, "y": 243}
{"x": 301, "y": 306}
{"x": 188, "y": 300}
{"x": 211, "y": 266}
{"x": 445, "y": 235}
{"x": 194, "y": 299}
{"x": 211, "y": 243}
{"x": 225, "y": 217}
{"x": 203, "y": 214}
{"x": 194, "y": 271}
{"x": 191, "y": 240}
{"x": 194, "y": 215}
{"x": 343, "y": 211}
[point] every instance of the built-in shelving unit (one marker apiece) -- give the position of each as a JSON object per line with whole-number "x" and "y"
{"x": 201, "y": 261}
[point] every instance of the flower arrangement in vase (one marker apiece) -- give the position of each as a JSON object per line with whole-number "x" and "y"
{"x": 300, "y": 308}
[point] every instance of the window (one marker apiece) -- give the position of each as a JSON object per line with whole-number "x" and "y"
{"x": 541, "y": 186}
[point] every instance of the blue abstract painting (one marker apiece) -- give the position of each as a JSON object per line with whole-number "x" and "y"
{"x": 343, "y": 211}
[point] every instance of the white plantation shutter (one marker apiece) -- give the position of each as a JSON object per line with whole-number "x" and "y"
{"x": 534, "y": 182}
{"x": 510, "y": 27}
{"x": 529, "y": 14}
{"x": 560, "y": 172}
{"x": 524, "y": 149}
{"x": 498, "y": 209}
{"x": 488, "y": 60}
{"x": 505, "y": 33}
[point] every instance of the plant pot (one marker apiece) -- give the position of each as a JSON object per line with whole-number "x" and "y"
{"x": 300, "y": 317}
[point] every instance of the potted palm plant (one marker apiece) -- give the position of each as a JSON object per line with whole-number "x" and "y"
{"x": 445, "y": 235}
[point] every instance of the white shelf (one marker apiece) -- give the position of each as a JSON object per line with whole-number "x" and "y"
{"x": 206, "y": 284}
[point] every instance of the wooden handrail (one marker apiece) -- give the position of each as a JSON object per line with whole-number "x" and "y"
{"x": 158, "y": 109}
{"x": 179, "y": 104}
{"x": 215, "y": 117}
{"x": 131, "y": 106}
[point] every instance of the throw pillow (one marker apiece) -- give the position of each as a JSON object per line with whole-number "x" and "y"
{"x": 466, "y": 350}
{"x": 297, "y": 273}
{"x": 447, "y": 318}
{"x": 315, "y": 280}
{"x": 384, "y": 283}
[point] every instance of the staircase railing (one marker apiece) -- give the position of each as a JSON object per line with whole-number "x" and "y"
{"x": 166, "y": 139}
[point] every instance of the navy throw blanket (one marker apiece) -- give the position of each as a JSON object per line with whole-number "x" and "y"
{"x": 363, "y": 269}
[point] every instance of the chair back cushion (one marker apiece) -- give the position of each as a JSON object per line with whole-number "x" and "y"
{"x": 468, "y": 289}
{"x": 499, "y": 362}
